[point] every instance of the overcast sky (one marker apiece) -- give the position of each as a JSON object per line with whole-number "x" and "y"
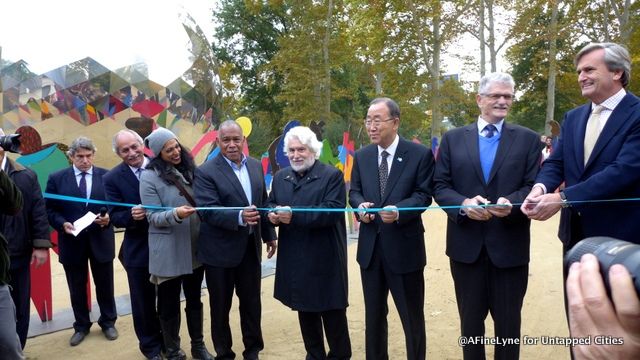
{"x": 49, "y": 34}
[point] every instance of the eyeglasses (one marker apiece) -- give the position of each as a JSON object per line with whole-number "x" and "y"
{"x": 496, "y": 97}
{"x": 375, "y": 122}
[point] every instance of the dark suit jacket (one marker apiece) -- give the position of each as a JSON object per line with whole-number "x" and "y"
{"x": 122, "y": 185}
{"x": 28, "y": 229}
{"x": 222, "y": 241}
{"x": 612, "y": 172}
{"x": 459, "y": 176}
{"x": 408, "y": 185}
{"x": 94, "y": 240}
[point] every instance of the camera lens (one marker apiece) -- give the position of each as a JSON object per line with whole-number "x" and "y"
{"x": 10, "y": 143}
{"x": 609, "y": 251}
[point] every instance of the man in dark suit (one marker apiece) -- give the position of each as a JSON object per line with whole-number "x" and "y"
{"x": 28, "y": 236}
{"x": 597, "y": 155}
{"x": 492, "y": 163}
{"x": 121, "y": 185}
{"x": 229, "y": 245}
{"x": 391, "y": 250}
{"x": 95, "y": 244}
{"x": 11, "y": 204}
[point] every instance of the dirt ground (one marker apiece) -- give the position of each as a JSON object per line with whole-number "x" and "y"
{"x": 543, "y": 312}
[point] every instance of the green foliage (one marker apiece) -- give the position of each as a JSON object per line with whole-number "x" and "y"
{"x": 326, "y": 60}
{"x": 530, "y": 63}
{"x": 246, "y": 40}
{"x": 458, "y": 104}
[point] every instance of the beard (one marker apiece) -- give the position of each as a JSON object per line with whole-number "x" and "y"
{"x": 306, "y": 164}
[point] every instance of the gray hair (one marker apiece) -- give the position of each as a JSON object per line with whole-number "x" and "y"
{"x": 114, "y": 145}
{"x": 616, "y": 57}
{"x": 306, "y": 136}
{"x": 495, "y": 78}
{"x": 81, "y": 143}
{"x": 394, "y": 109}
{"x": 230, "y": 123}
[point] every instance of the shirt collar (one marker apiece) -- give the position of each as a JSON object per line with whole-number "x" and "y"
{"x": 613, "y": 101}
{"x": 145, "y": 162}
{"x": 77, "y": 171}
{"x": 233, "y": 165}
{"x": 391, "y": 149}
{"x": 482, "y": 123}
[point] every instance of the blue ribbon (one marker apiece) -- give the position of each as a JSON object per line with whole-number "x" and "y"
{"x": 301, "y": 209}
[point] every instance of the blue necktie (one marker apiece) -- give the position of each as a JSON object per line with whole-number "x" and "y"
{"x": 490, "y": 131}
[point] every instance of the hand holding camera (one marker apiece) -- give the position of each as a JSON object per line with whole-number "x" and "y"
{"x": 606, "y": 311}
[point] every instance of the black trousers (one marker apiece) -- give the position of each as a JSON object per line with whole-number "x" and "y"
{"x": 245, "y": 279}
{"x": 336, "y": 329}
{"x": 143, "y": 309}
{"x": 408, "y": 295}
{"x": 77, "y": 276}
{"x": 169, "y": 294}
{"x": 20, "y": 286}
{"x": 482, "y": 288}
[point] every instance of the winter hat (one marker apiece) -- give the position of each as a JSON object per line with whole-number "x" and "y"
{"x": 156, "y": 140}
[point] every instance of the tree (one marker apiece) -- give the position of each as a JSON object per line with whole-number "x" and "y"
{"x": 443, "y": 21}
{"x": 481, "y": 23}
{"x": 553, "y": 49}
{"x": 458, "y": 105}
{"x": 530, "y": 61}
{"x": 245, "y": 41}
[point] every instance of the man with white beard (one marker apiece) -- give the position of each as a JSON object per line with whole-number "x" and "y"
{"x": 311, "y": 275}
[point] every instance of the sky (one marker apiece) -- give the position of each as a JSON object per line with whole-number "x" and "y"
{"x": 115, "y": 33}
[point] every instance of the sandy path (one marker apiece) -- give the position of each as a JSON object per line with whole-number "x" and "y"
{"x": 543, "y": 313}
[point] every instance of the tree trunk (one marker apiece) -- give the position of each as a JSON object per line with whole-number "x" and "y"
{"x": 605, "y": 21}
{"x": 379, "y": 77}
{"x": 551, "y": 84}
{"x": 623, "y": 19}
{"x": 436, "y": 114}
{"x": 483, "y": 56}
{"x": 432, "y": 66}
{"x": 493, "y": 53}
{"x": 327, "y": 65}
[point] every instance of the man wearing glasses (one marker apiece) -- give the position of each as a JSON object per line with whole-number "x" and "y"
{"x": 391, "y": 250}
{"x": 484, "y": 168}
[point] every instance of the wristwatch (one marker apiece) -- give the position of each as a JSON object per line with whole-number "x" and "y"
{"x": 563, "y": 197}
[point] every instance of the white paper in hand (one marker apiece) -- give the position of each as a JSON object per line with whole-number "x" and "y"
{"x": 83, "y": 222}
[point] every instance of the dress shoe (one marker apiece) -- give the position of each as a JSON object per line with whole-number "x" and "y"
{"x": 156, "y": 357}
{"x": 110, "y": 333}
{"x": 77, "y": 338}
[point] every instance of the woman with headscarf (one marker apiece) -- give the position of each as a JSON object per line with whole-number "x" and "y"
{"x": 166, "y": 188}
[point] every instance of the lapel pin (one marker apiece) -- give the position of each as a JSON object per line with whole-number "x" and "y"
{"x": 399, "y": 159}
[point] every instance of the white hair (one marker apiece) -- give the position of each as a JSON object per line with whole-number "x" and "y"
{"x": 114, "y": 145}
{"x": 495, "y": 78}
{"x": 306, "y": 136}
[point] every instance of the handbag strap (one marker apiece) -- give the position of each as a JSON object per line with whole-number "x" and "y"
{"x": 183, "y": 191}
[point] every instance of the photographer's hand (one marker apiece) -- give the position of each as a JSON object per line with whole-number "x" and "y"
{"x": 591, "y": 313}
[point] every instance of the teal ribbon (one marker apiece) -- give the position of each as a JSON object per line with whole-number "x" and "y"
{"x": 302, "y": 209}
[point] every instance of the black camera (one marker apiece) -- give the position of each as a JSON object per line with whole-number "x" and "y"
{"x": 10, "y": 143}
{"x": 609, "y": 251}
